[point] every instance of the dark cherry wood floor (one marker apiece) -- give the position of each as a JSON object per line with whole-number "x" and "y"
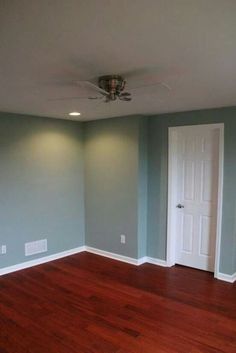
{"x": 86, "y": 303}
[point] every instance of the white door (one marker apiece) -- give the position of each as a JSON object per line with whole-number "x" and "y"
{"x": 196, "y": 196}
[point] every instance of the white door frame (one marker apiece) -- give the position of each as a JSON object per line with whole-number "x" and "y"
{"x": 172, "y": 194}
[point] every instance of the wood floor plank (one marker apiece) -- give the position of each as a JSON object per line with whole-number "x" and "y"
{"x": 90, "y": 304}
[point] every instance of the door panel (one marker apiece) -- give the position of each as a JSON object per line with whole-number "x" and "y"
{"x": 205, "y": 236}
{"x": 197, "y": 183}
{"x": 187, "y": 233}
{"x": 188, "y": 180}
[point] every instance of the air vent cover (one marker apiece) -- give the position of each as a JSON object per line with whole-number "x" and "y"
{"x": 36, "y": 247}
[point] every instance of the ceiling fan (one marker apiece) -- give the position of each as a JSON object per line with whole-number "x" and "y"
{"x": 110, "y": 88}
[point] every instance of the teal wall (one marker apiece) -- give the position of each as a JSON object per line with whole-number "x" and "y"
{"x": 121, "y": 163}
{"x": 111, "y": 184}
{"x": 41, "y": 185}
{"x": 142, "y": 187}
{"x": 157, "y": 183}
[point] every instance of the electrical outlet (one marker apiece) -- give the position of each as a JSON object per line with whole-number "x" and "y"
{"x": 122, "y": 239}
{"x": 3, "y": 249}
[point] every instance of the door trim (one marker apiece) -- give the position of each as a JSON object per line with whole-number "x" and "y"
{"x": 172, "y": 189}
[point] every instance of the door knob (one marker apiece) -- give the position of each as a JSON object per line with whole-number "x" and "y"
{"x": 180, "y": 206}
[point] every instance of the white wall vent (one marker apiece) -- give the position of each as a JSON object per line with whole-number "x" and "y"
{"x": 36, "y": 247}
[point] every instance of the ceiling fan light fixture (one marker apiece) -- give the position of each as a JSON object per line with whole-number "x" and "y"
{"x": 74, "y": 113}
{"x": 113, "y": 84}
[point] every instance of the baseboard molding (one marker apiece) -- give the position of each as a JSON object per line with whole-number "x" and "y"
{"x": 129, "y": 260}
{"x": 158, "y": 262}
{"x": 226, "y": 278}
{"x": 114, "y": 256}
{"x": 41, "y": 260}
{"x": 110, "y": 255}
{"x": 142, "y": 260}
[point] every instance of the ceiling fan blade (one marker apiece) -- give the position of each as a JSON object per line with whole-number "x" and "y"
{"x": 125, "y": 99}
{"x": 93, "y": 86}
{"x": 151, "y": 85}
{"x": 93, "y": 98}
{"x": 124, "y": 94}
{"x": 72, "y": 98}
{"x": 153, "y": 73}
{"x": 164, "y": 84}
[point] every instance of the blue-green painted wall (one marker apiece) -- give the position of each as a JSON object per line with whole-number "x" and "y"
{"x": 142, "y": 187}
{"x": 157, "y": 180}
{"x": 111, "y": 184}
{"x": 41, "y": 185}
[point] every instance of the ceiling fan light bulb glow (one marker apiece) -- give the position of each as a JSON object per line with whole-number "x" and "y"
{"x": 74, "y": 113}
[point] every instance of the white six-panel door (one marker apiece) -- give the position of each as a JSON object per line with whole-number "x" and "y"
{"x": 196, "y": 196}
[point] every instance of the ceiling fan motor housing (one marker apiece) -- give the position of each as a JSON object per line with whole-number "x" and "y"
{"x": 114, "y": 84}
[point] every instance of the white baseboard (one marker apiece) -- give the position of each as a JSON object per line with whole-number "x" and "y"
{"x": 227, "y": 278}
{"x": 111, "y": 255}
{"x": 158, "y": 262}
{"x": 127, "y": 259}
{"x": 142, "y": 260}
{"x": 41, "y": 260}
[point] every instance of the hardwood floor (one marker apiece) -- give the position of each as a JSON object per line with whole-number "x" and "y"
{"x": 86, "y": 303}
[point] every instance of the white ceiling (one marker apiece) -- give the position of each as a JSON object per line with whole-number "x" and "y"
{"x": 46, "y": 45}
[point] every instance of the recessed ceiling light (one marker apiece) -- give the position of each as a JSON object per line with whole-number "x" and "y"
{"x": 74, "y": 113}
